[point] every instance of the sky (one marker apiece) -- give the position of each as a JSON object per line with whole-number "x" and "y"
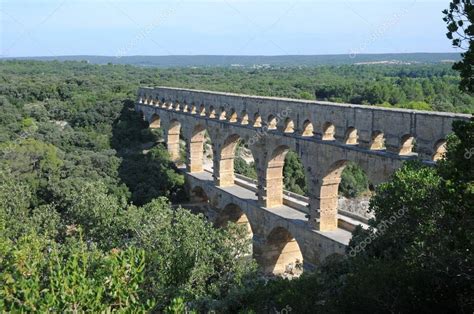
{"x": 220, "y": 27}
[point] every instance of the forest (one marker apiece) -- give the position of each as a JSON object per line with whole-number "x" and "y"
{"x": 87, "y": 222}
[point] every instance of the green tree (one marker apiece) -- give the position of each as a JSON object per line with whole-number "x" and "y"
{"x": 459, "y": 19}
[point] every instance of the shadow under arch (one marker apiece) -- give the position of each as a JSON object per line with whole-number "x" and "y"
{"x": 280, "y": 253}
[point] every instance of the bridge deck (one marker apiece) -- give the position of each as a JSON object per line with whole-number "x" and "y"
{"x": 285, "y": 212}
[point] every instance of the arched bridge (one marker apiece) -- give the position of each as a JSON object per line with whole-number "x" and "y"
{"x": 288, "y": 228}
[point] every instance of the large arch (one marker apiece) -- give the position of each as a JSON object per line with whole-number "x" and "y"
{"x": 198, "y": 195}
{"x": 172, "y": 142}
{"x": 281, "y": 253}
{"x": 439, "y": 150}
{"x": 330, "y": 187}
{"x": 233, "y": 213}
{"x": 155, "y": 121}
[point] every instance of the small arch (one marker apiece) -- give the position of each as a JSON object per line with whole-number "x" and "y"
{"x": 406, "y": 145}
{"x": 169, "y": 105}
{"x": 140, "y": 100}
{"x": 378, "y": 141}
{"x": 329, "y": 132}
{"x": 439, "y": 150}
{"x": 212, "y": 113}
{"x": 177, "y": 106}
{"x": 289, "y": 126}
{"x": 222, "y": 114}
{"x": 193, "y": 109}
{"x": 233, "y": 116}
{"x": 257, "y": 121}
{"x": 272, "y": 122}
{"x": 307, "y": 129}
{"x": 245, "y": 118}
{"x": 155, "y": 121}
{"x": 281, "y": 253}
{"x": 164, "y": 104}
{"x": 202, "y": 110}
{"x": 351, "y": 136}
{"x": 185, "y": 107}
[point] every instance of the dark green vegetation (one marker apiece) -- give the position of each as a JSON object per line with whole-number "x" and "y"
{"x": 84, "y": 225}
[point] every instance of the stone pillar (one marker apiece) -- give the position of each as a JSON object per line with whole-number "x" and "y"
{"x": 323, "y": 202}
{"x": 225, "y": 175}
{"x": 173, "y": 143}
{"x": 273, "y": 184}
{"x": 195, "y": 155}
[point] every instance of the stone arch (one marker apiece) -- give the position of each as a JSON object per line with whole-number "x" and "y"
{"x": 196, "y": 149}
{"x": 172, "y": 142}
{"x": 177, "y": 106}
{"x": 274, "y": 177}
{"x": 155, "y": 121}
{"x": 169, "y": 105}
{"x": 272, "y": 122}
{"x": 193, "y": 109}
{"x": 164, "y": 104}
{"x": 222, "y": 114}
{"x": 281, "y": 253}
{"x": 307, "y": 129}
{"x": 351, "y": 137}
{"x": 233, "y": 213}
{"x": 185, "y": 107}
{"x": 226, "y": 176}
{"x": 233, "y": 116}
{"x": 212, "y": 112}
{"x": 202, "y": 110}
{"x": 406, "y": 145}
{"x": 198, "y": 195}
{"x": 439, "y": 150}
{"x": 329, "y": 190}
{"x": 329, "y": 132}
{"x": 377, "y": 141}
{"x": 244, "y": 120}
{"x": 257, "y": 120}
{"x": 289, "y": 126}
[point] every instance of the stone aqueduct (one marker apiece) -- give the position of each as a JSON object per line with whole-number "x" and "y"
{"x": 324, "y": 135}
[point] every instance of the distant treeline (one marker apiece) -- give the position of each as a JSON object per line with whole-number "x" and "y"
{"x": 250, "y": 61}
